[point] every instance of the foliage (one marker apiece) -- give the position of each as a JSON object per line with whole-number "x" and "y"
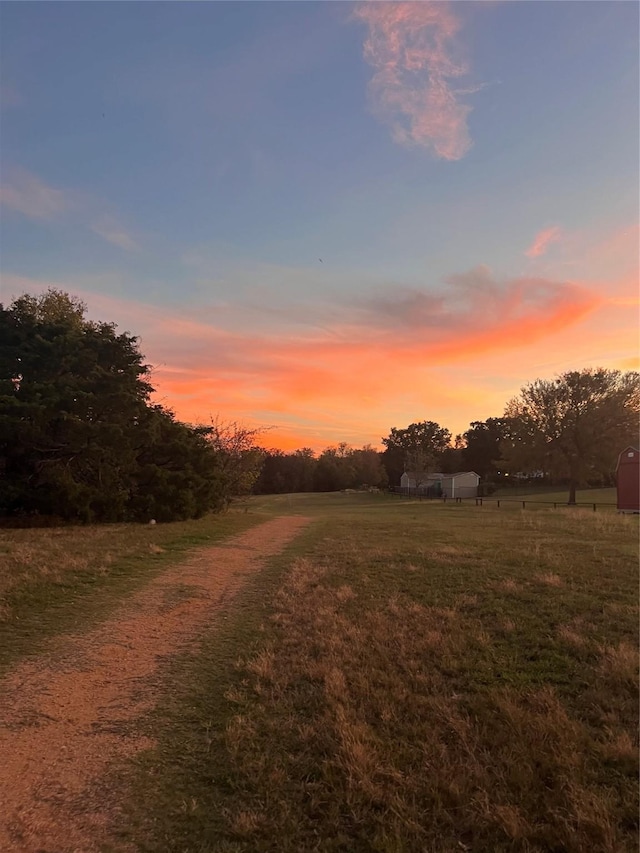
{"x": 286, "y": 472}
{"x": 419, "y": 463}
{"x": 482, "y": 447}
{"x": 420, "y": 445}
{"x": 238, "y": 459}
{"x": 79, "y": 437}
{"x": 368, "y": 468}
{"x": 71, "y": 392}
{"x": 573, "y": 426}
{"x": 175, "y": 475}
{"x": 336, "y": 468}
{"x": 451, "y": 460}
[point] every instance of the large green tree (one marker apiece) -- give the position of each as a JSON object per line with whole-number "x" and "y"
{"x": 175, "y": 474}
{"x": 71, "y": 392}
{"x": 79, "y": 437}
{"x": 574, "y": 426}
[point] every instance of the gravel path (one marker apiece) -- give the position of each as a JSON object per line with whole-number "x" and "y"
{"x": 68, "y": 716}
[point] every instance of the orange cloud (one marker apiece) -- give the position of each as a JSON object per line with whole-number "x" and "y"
{"x": 390, "y": 359}
{"x": 411, "y": 47}
{"x": 477, "y": 307}
{"x": 542, "y": 241}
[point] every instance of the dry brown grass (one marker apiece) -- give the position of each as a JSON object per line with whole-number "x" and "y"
{"x": 64, "y": 554}
{"x": 568, "y": 634}
{"x": 508, "y": 585}
{"x": 69, "y": 715}
{"x": 407, "y": 743}
{"x": 27, "y": 556}
{"x": 52, "y": 579}
{"x": 619, "y": 663}
{"x": 52, "y": 554}
{"x": 430, "y": 681}
{"x": 402, "y": 739}
{"x": 549, "y": 578}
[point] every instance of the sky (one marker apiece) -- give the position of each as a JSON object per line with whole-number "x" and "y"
{"x": 330, "y": 219}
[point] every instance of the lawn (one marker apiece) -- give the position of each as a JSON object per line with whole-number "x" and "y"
{"x": 60, "y": 579}
{"x": 410, "y": 676}
{"x": 601, "y": 497}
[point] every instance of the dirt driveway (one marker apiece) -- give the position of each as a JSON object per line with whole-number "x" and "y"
{"x": 67, "y": 716}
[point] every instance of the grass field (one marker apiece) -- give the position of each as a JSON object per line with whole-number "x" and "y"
{"x": 61, "y": 579}
{"x": 311, "y": 503}
{"x": 410, "y": 676}
{"x": 601, "y": 497}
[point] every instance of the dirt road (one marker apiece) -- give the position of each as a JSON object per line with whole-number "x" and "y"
{"x": 68, "y": 716}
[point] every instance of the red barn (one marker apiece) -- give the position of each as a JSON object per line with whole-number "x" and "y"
{"x": 628, "y": 478}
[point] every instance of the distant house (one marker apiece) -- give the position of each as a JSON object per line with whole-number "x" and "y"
{"x": 463, "y": 484}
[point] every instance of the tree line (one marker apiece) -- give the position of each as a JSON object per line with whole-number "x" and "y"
{"x": 566, "y": 431}
{"x": 334, "y": 469}
{"x": 80, "y": 439}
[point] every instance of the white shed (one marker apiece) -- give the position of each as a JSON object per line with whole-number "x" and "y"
{"x": 463, "y": 484}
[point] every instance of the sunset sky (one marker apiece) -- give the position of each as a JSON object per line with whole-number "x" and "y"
{"x": 330, "y": 218}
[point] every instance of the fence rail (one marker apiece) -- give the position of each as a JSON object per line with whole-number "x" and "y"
{"x": 407, "y": 493}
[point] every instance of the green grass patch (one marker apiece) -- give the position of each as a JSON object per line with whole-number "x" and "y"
{"x": 603, "y": 497}
{"x": 410, "y": 676}
{"x": 314, "y": 504}
{"x": 54, "y": 580}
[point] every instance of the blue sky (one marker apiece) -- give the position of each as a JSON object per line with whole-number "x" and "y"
{"x": 186, "y": 166}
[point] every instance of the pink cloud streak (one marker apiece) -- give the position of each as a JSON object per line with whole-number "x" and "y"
{"x": 411, "y": 47}
{"x": 542, "y": 241}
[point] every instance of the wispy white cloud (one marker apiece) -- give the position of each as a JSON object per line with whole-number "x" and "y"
{"x": 411, "y": 46}
{"x": 543, "y": 240}
{"x": 27, "y": 194}
{"x": 114, "y": 232}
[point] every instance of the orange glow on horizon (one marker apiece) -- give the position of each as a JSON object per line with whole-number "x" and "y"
{"x": 355, "y": 381}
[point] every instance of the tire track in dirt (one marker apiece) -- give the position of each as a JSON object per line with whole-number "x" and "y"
{"x": 68, "y": 715}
